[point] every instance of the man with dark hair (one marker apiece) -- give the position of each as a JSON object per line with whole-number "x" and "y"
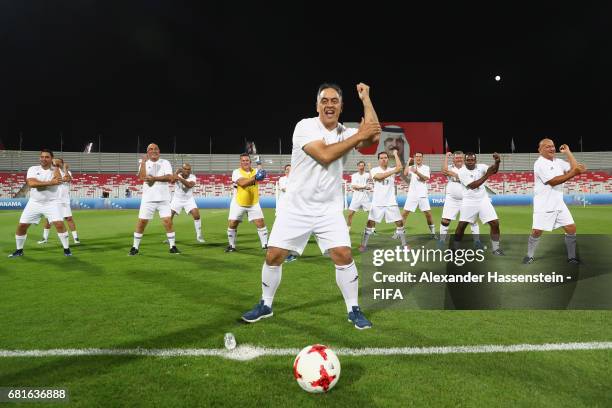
{"x": 314, "y": 201}
{"x": 43, "y": 181}
{"x": 182, "y": 199}
{"x": 476, "y": 203}
{"x": 384, "y": 200}
{"x": 549, "y": 209}
{"x": 246, "y": 200}
{"x": 418, "y": 195}
{"x": 361, "y": 196}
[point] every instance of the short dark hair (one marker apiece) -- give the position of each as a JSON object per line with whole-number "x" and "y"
{"x": 47, "y": 151}
{"x": 360, "y": 161}
{"x": 379, "y": 153}
{"x": 245, "y": 155}
{"x": 331, "y": 85}
{"x": 421, "y": 153}
{"x": 287, "y": 165}
{"x": 470, "y": 154}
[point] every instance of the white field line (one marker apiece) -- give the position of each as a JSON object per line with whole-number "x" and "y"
{"x": 247, "y": 352}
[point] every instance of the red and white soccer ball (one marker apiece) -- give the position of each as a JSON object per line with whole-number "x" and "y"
{"x": 316, "y": 368}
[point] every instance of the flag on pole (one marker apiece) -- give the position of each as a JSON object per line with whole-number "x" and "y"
{"x": 446, "y": 149}
{"x": 512, "y": 145}
{"x": 88, "y": 147}
{"x": 478, "y": 145}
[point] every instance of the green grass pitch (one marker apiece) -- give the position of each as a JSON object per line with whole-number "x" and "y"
{"x": 102, "y": 298}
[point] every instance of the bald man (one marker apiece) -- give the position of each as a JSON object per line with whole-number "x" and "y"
{"x": 549, "y": 209}
{"x": 155, "y": 173}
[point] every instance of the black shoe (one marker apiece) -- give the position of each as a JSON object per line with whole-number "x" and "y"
{"x": 528, "y": 260}
{"x": 265, "y": 247}
{"x": 133, "y": 252}
{"x": 67, "y": 252}
{"x": 230, "y": 249}
{"x": 18, "y": 252}
{"x": 174, "y": 250}
{"x": 573, "y": 261}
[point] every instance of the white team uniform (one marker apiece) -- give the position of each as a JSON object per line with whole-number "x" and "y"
{"x": 361, "y": 199}
{"x": 549, "y": 209}
{"x": 157, "y": 196}
{"x": 44, "y": 201}
{"x": 63, "y": 193}
{"x": 314, "y": 201}
{"x": 183, "y": 197}
{"x": 418, "y": 196}
{"x": 384, "y": 202}
{"x": 454, "y": 196}
{"x": 237, "y": 211}
{"x": 282, "y": 185}
{"x": 476, "y": 203}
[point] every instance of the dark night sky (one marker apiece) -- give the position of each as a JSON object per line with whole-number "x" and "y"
{"x": 159, "y": 69}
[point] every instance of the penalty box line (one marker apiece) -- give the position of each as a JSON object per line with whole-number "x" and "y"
{"x": 247, "y": 352}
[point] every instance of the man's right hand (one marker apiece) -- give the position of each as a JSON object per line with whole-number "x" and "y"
{"x": 144, "y": 158}
{"x": 369, "y": 130}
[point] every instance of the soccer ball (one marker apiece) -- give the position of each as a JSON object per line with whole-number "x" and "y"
{"x": 316, "y": 368}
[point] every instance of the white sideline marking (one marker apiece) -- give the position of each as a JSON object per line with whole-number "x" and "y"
{"x": 247, "y": 352}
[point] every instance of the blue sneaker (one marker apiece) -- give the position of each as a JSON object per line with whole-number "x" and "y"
{"x": 290, "y": 258}
{"x": 356, "y": 316}
{"x": 260, "y": 311}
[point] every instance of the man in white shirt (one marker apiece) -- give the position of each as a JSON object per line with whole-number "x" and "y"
{"x": 314, "y": 201}
{"x": 454, "y": 197}
{"x": 549, "y": 209}
{"x": 63, "y": 191}
{"x": 418, "y": 195}
{"x": 384, "y": 201}
{"x": 43, "y": 181}
{"x": 155, "y": 173}
{"x": 361, "y": 196}
{"x": 182, "y": 199}
{"x": 476, "y": 203}
{"x": 282, "y": 186}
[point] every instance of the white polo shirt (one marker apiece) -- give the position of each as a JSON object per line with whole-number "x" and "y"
{"x": 417, "y": 187}
{"x": 473, "y": 196}
{"x": 384, "y": 190}
{"x": 314, "y": 189}
{"x": 360, "y": 180}
{"x": 454, "y": 189}
{"x": 63, "y": 190}
{"x": 181, "y": 191}
{"x": 547, "y": 198}
{"x": 42, "y": 194}
{"x": 160, "y": 190}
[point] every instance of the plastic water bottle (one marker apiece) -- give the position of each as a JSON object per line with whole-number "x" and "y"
{"x": 230, "y": 341}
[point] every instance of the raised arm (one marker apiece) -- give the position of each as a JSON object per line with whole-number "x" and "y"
{"x": 575, "y": 168}
{"x": 490, "y": 171}
{"x": 445, "y": 169}
{"x": 369, "y": 114}
{"x": 142, "y": 169}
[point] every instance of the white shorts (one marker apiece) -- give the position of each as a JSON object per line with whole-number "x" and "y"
{"x": 484, "y": 211}
{"x": 291, "y": 231}
{"x": 390, "y": 213}
{"x": 237, "y": 212}
{"x": 34, "y": 210}
{"x": 357, "y": 205}
{"x": 177, "y": 205}
{"x": 548, "y": 221}
{"x": 148, "y": 208}
{"x": 412, "y": 203}
{"x": 65, "y": 210}
{"x": 451, "y": 209}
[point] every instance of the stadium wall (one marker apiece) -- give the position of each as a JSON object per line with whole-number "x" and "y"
{"x": 270, "y": 202}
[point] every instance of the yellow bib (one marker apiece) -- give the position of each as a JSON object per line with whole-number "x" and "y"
{"x": 247, "y": 196}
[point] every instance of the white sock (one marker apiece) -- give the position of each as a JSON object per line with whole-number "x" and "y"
{"x": 171, "y": 238}
{"x": 75, "y": 236}
{"x": 137, "y": 238}
{"x": 231, "y": 237}
{"x": 401, "y": 234}
{"x": 347, "y": 279}
{"x": 367, "y": 233}
{"x": 475, "y": 227}
{"x": 263, "y": 236}
{"x": 198, "y": 227}
{"x": 270, "y": 279}
{"x": 20, "y": 240}
{"x": 63, "y": 236}
{"x": 46, "y": 233}
{"x": 443, "y": 231}
{"x": 495, "y": 245}
{"x": 432, "y": 228}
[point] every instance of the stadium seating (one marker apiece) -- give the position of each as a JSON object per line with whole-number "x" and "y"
{"x": 218, "y": 185}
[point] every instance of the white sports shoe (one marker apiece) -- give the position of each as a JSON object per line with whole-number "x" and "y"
{"x": 43, "y": 241}
{"x": 200, "y": 239}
